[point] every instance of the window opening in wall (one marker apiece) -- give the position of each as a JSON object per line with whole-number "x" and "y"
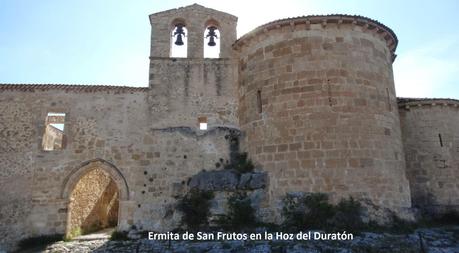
{"x": 259, "y": 104}
{"x": 329, "y": 90}
{"x": 179, "y": 41}
{"x": 440, "y": 139}
{"x": 389, "y": 106}
{"x": 53, "y": 138}
{"x": 211, "y": 42}
{"x": 202, "y": 123}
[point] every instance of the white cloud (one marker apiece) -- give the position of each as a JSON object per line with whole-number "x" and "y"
{"x": 427, "y": 70}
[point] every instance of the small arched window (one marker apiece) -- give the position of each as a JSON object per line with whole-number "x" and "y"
{"x": 179, "y": 41}
{"x": 211, "y": 42}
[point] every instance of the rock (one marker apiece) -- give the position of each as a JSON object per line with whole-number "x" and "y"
{"x": 244, "y": 181}
{"x": 178, "y": 189}
{"x": 258, "y": 180}
{"x": 218, "y": 180}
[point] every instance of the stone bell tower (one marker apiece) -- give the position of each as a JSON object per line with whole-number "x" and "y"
{"x": 190, "y": 89}
{"x": 196, "y": 19}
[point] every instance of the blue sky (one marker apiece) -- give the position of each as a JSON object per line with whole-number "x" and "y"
{"x": 107, "y": 41}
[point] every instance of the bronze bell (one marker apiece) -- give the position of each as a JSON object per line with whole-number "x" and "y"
{"x": 212, "y": 35}
{"x": 179, "y": 32}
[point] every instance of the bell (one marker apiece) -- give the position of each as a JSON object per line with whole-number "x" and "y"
{"x": 211, "y": 42}
{"x": 212, "y": 36}
{"x": 179, "y": 41}
{"x": 179, "y": 32}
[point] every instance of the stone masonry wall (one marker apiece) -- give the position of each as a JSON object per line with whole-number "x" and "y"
{"x": 115, "y": 126}
{"x": 431, "y": 141}
{"x": 318, "y": 107}
{"x": 93, "y": 203}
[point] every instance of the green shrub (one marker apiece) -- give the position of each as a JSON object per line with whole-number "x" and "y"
{"x": 119, "y": 236}
{"x": 74, "y": 233}
{"x": 241, "y": 163}
{"x": 240, "y": 215}
{"x": 347, "y": 216}
{"x": 313, "y": 211}
{"x": 306, "y": 212}
{"x": 195, "y": 207}
{"x": 39, "y": 241}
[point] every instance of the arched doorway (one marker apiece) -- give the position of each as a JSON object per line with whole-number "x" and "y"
{"x": 94, "y": 191}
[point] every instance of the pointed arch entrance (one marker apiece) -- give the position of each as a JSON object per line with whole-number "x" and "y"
{"x": 98, "y": 197}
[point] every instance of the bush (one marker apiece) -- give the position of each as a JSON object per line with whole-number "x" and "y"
{"x": 348, "y": 215}
{"x": 313, "y": 211}
{"x": 306, "y": 212}
{"x": 241, "y": 163}
{"x": 195, "y": 206}
{"x": 241, "y": 214}
{"x": 39, "y": 241}
{"x": 119, "y": 236}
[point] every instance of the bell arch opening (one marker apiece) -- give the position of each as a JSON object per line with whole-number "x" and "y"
{"x": 211, "y": 39}
{"x": 94, "y": 192}
{"x": 179, "y": 39}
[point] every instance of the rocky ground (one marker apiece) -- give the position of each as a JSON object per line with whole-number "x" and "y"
{"x": 434, "y": 240}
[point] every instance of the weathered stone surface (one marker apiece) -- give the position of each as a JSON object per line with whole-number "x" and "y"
{"x": 251, "y": 181}
{"x": 244, "y": 181}
{"x": 258, "y": 180}
{"x": 431, "y": 143}
{"x": 227, "y": 180}
{"x": 318, "y": 110}
{"x": 219, "y": 180}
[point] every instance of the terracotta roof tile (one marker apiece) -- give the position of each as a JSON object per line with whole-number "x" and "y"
{"x": 69, "y": 87}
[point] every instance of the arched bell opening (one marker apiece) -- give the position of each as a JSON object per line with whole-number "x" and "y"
{"x": 212, "y": 40}
{"x": 179, "y": 40}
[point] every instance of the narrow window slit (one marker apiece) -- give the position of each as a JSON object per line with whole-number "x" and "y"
{"x": 330, "y": 101}
{"x": 441, "y": 140}
{"x": 259, "y": 104}
{"x": 389, "y": 106}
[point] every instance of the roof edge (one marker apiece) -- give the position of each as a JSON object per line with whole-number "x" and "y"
{"x": 368, "y": 23}
{"x": 191, "y": 6}
{"x": 404, "y": 102}
{"x": 70, "y": 87}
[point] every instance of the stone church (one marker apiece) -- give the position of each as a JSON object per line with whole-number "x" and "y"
{"x": 311, "y": 100}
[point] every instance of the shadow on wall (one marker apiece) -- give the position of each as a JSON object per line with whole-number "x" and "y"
{"x": 93, "y": 203}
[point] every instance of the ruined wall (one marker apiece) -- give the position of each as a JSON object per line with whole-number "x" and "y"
{"x": 431, "y": 141}
{"x": 93, "y": 203}
{"x": 112, "y": 124}
{"x": 318, "y": 107}
{"x": 101, "y": 123}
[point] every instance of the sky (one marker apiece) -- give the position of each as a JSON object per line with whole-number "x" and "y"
{"x": 108, "y": 41}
